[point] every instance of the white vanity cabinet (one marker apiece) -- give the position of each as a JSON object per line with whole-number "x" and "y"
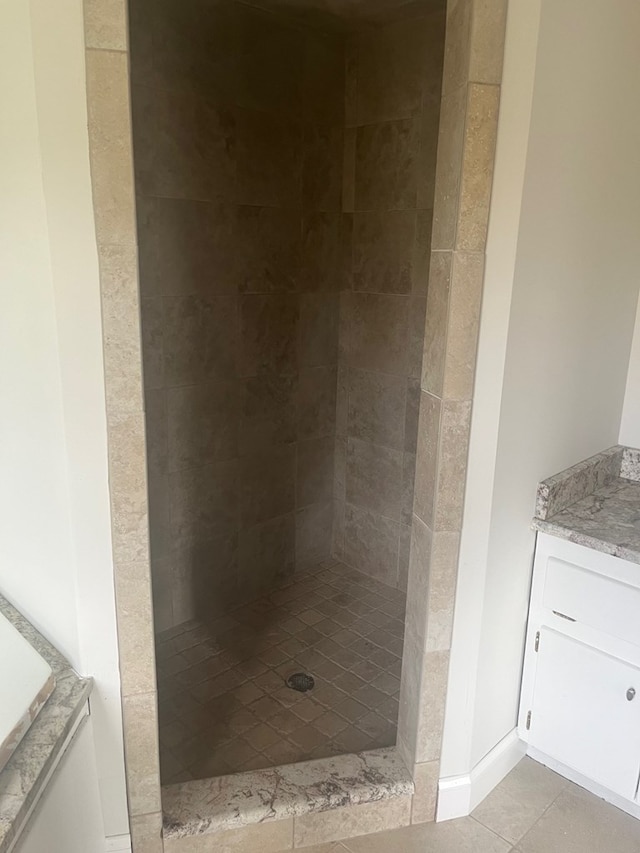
{"x": 580, "y": 699}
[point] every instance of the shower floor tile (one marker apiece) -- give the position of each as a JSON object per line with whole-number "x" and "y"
{"x": 224, "y": 706}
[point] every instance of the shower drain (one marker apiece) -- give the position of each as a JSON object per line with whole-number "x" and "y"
{"x": 300, "y": 681}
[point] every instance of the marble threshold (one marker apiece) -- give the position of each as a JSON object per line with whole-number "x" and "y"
{"x": 595, "y": 503}
{"x": 255, "y": 797}
{"x": 24, "y": 777}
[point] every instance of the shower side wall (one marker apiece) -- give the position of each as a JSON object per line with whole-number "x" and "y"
{"x": 238, "y": 139}
{"x": 393, "y": 83}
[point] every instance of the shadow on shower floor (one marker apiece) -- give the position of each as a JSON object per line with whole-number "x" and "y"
{"x": 224, "y": 706}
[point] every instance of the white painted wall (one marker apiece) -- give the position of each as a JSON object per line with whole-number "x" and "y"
{"x": 557, "y": 322}
{"x": 55, "y": 549}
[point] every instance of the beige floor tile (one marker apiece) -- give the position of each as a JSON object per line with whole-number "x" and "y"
{"x": 578, "y": 822}
{"x": 515, "y": 805}
{"x": 458, "y": 836}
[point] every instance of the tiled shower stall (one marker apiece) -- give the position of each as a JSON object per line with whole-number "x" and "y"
{"x": 284, "y": 181}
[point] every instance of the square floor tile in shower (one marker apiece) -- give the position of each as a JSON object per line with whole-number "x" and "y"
{"x": 223, "y": 702}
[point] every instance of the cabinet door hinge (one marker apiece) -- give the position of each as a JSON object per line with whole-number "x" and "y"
{"x": 537, "y": 643}
{"x": 528, "y": 723}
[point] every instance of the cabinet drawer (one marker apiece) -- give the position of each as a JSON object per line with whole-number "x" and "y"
{"x": 591, "y": 599}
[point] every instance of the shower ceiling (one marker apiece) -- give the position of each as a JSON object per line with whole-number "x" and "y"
{"x": 349, "y": 15}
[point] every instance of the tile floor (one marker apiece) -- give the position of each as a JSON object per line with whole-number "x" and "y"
{"x": 532, "y": 811}
{"x": 223, "y": 703}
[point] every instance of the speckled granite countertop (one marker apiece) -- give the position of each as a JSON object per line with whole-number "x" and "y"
{"x": 595, "y": 503}
{"x": 26, "y": 773}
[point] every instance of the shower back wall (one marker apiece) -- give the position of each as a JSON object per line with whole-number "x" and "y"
{"x": 238, "y": 139}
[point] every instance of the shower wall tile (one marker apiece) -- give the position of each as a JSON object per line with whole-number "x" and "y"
{"x": 371, "y": 543}
{"x": 391, "y": 68}
{"x": 428, "y": 154}
{"x": 457, "y": 45}
{"x": 387, "y": 165}
{"x": 186, "y": 247}
{"x": 412, "y": 411}
{"x": 266, "y": 552}
{"x": 313, "y": 534}
{"x": 323, "y": 79}
{"x": 200, "y": 339}
{"x": 315, "y": 471}
{"x": 156, "y": 431}
{"x": 322, "y": 168}
{"x": 452, "y": 462}
{"x": 425, "y": 779}
{"x": 383, "y": 251}
{"x": 105, "y": 24}
{"x": 202, "y": 424}
{"x": 435, "y": 674}
{"x": 268, "y": 334}
{"x": 422, "y": 252}
{"x": 152, "y": 331}
{"x": 205, "y": 578}
{"x": 135, "y": 628}
{"x": 317, "y": 402}
{"x": 408, "y": 485}
{"x": 161, "y": 577}
{"x": 376, "y": 404}
{"x": 427, "y": 454}
{"x": 437, "y": 313}
{"x": 265, "y": 248}
{"x": 159, "y": 540}
{"x": 268, "y": 158}
{"x": 378, "y": 334}
{"x": 417, "y": 319}
{"x": 326, "y": 252}
{"x": 463, "y": 325}
{"x": 318, "y": 329}
{"x": 486, "y": 50}
{"x": 448, "y": 171}
{"x": 204, "y": 503}
{"x": 374, "y": 478}
{"x": 267, "y": 484}
{"x": 140, "y": 718}
{"x": 268, "y": 412}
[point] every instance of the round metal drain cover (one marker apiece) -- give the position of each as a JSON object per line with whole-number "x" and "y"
{"x": 300, "y": 681}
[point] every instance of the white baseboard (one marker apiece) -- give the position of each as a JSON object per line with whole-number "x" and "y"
{"x": 118, "y": 844}
{"x": 459, "y": 795}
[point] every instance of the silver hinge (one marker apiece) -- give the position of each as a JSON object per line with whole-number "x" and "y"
{"x": 537, "y": 643}
{"x": 563, "y": 616}
{"x": 528, "y": 724}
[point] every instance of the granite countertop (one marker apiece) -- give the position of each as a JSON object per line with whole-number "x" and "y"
{"x": 595, "y": 503}
{"x": 26, "y": 773}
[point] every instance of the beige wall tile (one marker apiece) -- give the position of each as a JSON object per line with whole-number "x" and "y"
{"x": 376, "y": 408}
{"x": 155, "y": 400}
{"x": 477, "y": 167}
{"x": 349, "y": 821}
{"x": 425, "y": 779}
{"x": 371, "y": 543}
{"x": 429, "y": 126}
{"x": 326, "y": 252}
{"x": 146, "y": 833}
{"x": 313, "y": 534}
{"x": 268, "y": 412}
{"x": 412, "y": 413}
{"x": 205, "y": 503}
{"x": 159, "y": 528}
{"x": 427, "y": 457}
{"x": 202, "y": 424}
{"x": 435, "y": 674}
{"x": 110, "y": 146}
{"x": 200, "y": 338}
{"x": 457, "y": 45}
{"x": 349, "y": 170}
{"x": 374, "y": 478}
{"x": 204, "y": 578}
{"x": 140, "y": 719}
{"x": 152, "y": 323}
{"x": 387, "y": 165}
{"x": 409, "y": 703}
{"x": 322, "y": 165}
{"x": 337, "y": 533}
{"x": 443, "y": 573}
{"x": 135, "y": 628}
{"x": 315, "y": 471}
{"x": 391, "y": 71}
{"x": 265, "y": 250}
{"x": 448, "y": 171}
{"x": 161, "y": 570}
{"x": 269, "y": 160}
{"x": 271, "y": 837}
{"x": 417, "y": 319}
{"x": 267, "y": 484}
{"x": 404, "y": 548}
{"x": 105, "y": 24}
{"x": 128, "y": 484}
{"x": 323, "y": 78}
{"x": 266, "y": 555}
{"x": 340, "y": 476}
{"x": 489, "y": 19}
{"x": 383, "y": 251}
{"x": 121, "y": 327}
{"x": 318, "y": 329}
{"x": 408, "y": 487}
{"x": 378, "y": 332}
{"x": 317, "y": 402}
{"x": 422, "y": 252}
{"x": 419, "y": 581}
{"x": 452, "y": 464}
{"x": 268, "y": 334}
{"x": 463, "y": 323}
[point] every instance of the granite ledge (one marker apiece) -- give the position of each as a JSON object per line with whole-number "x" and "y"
{"x": 595, "y": 503}
{"x": 24, "y": 776}
{"x": 241, "y": 799}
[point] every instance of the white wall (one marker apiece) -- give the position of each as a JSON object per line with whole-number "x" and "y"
{"x": 563, "y": 260}
{"x": 55, "y": 550}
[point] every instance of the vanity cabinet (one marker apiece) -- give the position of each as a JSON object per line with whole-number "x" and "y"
{"x": 580, "y": 698}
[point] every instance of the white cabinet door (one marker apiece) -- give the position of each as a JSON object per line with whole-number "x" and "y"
{"x": 581, "y": 713}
